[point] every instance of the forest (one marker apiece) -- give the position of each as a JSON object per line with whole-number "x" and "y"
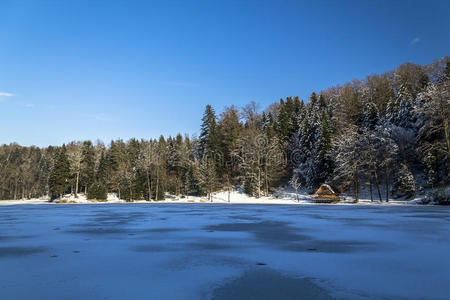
{"x": 387, "y": 134}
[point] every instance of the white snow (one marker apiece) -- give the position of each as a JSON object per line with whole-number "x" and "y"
{"x": 283, "y": 195}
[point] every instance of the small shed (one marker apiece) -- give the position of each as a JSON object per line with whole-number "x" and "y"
{"x": 325, "y": 194}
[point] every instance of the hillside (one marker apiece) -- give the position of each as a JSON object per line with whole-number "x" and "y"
{"x": 387, "y": 135}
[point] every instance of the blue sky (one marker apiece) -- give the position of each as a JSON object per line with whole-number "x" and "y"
{"x": 76, "y": 70}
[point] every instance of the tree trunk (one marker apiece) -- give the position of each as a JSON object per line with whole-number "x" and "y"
{"x": 357, "y": 191}
{"x": 157, "y": 184}
{"x": 209, "y": 191}
{"x": 387, "y": 182}
{"x": 370, "y": 189}
{"x": 356, "y": 185}
{"x": 131, "y": 193}
{"x": 149, "y": 188}
{"x": 259, "y": 182}
{"x": 76, "y": 185}
{"x": 447, "y": 137}
{"x": 266, "y": 181}
{"x": 377, "y": 183}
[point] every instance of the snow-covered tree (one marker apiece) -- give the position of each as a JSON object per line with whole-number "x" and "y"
{"x": 349, "y": 162}
{"x": 295, "y": 182}
{"x": 434, "y": 130}
{"x": 404, "y": 184}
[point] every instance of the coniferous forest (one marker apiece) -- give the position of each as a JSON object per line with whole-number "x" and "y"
{"x": 387, "y": 134}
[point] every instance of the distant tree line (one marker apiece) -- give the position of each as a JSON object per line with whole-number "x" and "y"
{"x": 388, "y": 134}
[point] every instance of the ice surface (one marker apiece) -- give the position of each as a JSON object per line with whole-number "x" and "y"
{"x": 202, "y": 251}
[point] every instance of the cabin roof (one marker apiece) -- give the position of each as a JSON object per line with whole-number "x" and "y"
{"x": 325, "y": 189}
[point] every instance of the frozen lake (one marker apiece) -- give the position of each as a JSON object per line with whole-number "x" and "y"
{"x": 195, "y": 251}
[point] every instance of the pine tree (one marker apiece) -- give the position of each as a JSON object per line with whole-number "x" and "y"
{"x": 210, "y": 151}
{"x": 208, "y": 179}
{"x": 370, "y": 116}
{"x": 177, "y": 163}
{"x": 229, "y": 129}
{"x": 193, "y": 181}
{"x": 74, "y": 154}
{"x": 431, "y": 169}
{"x": 400, "y": 109}
{"x": 87, "y": 165}
{"x": 160, "y": 169}
{"x": 404, "y": 184}
{"x": 208, "y": 140}
{"x": 306, "y": 154}
{"x": 323, "y": 155}
{"x": 97, "y": 191}
{"x": 60, "y": 174}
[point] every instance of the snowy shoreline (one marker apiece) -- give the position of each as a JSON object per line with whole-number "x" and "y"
{"x": 280, "y": 198}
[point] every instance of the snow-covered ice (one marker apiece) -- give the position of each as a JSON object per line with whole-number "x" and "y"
{"x": 222, "y": 251}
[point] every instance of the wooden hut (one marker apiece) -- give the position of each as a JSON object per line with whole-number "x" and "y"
{"x": 325, "y": 194}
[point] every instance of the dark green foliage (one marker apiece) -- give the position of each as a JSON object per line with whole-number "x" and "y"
{"x": 97, "y": 191}
{"x": 87, "y": 164}
{"x": 208, "y": 139}
{"x": 404, "y": 185}
{"x": 324, "y": 161}
{"x": 59, "y": 176}
{"x": 431, "y": 169}
{"x": 229, "y": 129}
{"x": 287, "y": 124}
{"x": 370, "y": 117}
{"x": 193, "y": 182}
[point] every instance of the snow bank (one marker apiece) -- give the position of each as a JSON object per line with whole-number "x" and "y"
{"x": 283, "y": 195}
{"x": 66, "y": 199}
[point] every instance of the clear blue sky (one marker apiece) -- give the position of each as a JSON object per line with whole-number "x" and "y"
{"x": 75, "y": 70}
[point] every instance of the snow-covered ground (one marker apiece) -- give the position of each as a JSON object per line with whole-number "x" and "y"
{"x": 283, "y": 195}
{"x": 179, "y": 251}
{"x": 67, "y": 199}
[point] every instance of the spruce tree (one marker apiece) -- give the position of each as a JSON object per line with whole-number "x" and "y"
{"x": 97, "y": 191}
{"x": 193, "y": 181}
{"x": 305, "y": 155}
{"x": 60, "y": 174}
{"x": 208, "y": 139}
{"x": 87, "y": 165}
{"x": 210, "y": 146}
{"x": 399, "y": 110}
{"x": 324, "y": 161}
{"x": 208, "y": 177}
{"x": 229, "y": 129}
{"x": 403, "y": 182}
{"x": 370, "y": 116}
